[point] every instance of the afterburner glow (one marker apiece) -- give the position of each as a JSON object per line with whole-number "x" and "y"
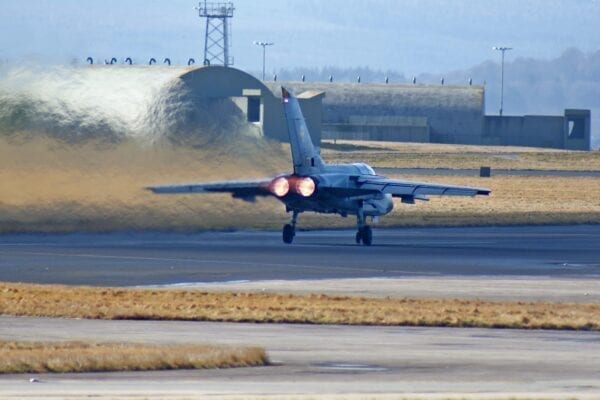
{"x": 305, "y": 187}
{"x": 279, "y": 187}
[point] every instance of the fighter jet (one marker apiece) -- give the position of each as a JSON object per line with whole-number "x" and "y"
{"x": 344, "y": 189}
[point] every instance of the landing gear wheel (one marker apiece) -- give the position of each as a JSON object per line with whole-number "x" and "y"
{"x": 358, "y": 237}
{"x": 366, "y": 234}
{"x": 288, "y": 233}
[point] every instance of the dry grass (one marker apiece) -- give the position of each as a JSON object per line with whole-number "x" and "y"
{"x": 440, "y": 148}
{"x": 50, "y": 188}
{"x": 38, "y": 357}
{"x": 428, "y": 155}
{"x": 111, "y": 303}
{"x": 123, "y": 205}
{"x": 514, "y": 200}
{"x": 53, "y": 187}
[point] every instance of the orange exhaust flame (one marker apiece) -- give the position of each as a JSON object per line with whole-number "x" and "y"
{"x": 279, "y": 186}
{"x": 305, "y": 187}
{"x": 282, "y": 185}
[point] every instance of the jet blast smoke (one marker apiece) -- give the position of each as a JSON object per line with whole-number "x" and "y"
{"x": 111, "y": 103}
{"x": 79, "y": 144}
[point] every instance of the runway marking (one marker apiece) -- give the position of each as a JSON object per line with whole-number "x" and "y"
{"x": 187, "y": 284}
{"x": 351, "y": 367}
{"x": 225, "y": 262}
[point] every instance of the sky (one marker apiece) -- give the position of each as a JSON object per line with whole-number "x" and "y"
{"x": 408, "y": 36}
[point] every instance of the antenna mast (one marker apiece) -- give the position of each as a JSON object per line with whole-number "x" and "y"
{"x": 218, "y": 31}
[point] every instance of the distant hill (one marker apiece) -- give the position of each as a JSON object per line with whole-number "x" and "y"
{"x": 534, "y": 86}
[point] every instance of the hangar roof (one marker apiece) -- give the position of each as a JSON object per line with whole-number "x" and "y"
{"x": 391, "y": 99}
{"x": 218, "y": 81}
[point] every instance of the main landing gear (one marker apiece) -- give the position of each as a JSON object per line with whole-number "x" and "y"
{"x": 365, "y": 233}
{"x": 289, "y": 230}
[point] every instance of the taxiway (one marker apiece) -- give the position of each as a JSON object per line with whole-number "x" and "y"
{"x": 317, "y": 359}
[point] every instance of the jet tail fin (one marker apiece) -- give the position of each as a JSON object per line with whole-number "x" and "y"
{"x": 305, "y": 157}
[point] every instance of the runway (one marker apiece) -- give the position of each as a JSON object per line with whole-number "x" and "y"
{"x": 130, "y": 259}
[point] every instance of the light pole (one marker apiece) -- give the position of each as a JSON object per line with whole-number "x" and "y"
{"x": 264, "y": 46}
{"x": 503, "y": 50}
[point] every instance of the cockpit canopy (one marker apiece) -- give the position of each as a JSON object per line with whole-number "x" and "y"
{"x": 364, "y": 169}
{"x": 349, "y": 169}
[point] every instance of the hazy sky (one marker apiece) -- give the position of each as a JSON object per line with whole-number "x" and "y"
{"x": 409, "y": 36}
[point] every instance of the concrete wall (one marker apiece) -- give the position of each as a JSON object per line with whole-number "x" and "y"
{"x": 416, "y": 113}
{"x": 578, "y": 129}
{"x": 571, "y": 131}
{"x": 454, "y": 114}
{"x": 384, "y": 128}
{"x": 528, "y": 130}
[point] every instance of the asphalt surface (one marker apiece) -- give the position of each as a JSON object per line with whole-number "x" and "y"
{"x": 313, "y": 359}
{"x": 556, "y": 263}
{"x": 129, "y": 259}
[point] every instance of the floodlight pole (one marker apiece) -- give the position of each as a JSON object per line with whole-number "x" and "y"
{"x": 264, "y": 46}
{"x": 503, "y": 50}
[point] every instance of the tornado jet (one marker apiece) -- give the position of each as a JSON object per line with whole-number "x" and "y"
{"x": 315, "y": 186}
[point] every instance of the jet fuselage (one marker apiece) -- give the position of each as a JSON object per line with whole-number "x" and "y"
{"x": 344, "y": 179}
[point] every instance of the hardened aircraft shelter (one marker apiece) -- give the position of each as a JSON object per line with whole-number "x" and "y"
{"x": 387, "y": 112}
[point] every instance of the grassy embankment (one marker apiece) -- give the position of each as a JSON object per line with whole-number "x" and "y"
{"x": 51, "y": 188}
{"x": 38, "y": 357}
{"x": 111, "y": 303}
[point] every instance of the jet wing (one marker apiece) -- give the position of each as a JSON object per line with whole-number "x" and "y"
{"x": 245, "y": 190}
{"x": 410, "y": 191}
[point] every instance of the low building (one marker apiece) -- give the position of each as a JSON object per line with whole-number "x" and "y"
{"x": 388, "y": 112}
{"x": 391, "y": 112}
{"x": 570, "y": 131}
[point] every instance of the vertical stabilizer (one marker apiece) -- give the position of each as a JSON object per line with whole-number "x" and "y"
{"x": 305, "y": 157}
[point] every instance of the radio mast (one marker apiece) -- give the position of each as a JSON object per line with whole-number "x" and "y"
{"x": 217, "y": 36}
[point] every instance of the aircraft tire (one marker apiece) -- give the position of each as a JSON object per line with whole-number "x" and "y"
{"x": 367, "y": 235}
{"x": 358, "y": 237}
{"x": 288, "y": 233}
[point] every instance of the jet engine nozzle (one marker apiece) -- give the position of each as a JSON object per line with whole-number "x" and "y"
{"x": 302, "y": 186}
{"x": 279, "y": 186}
{"x": 305, "y": 187}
